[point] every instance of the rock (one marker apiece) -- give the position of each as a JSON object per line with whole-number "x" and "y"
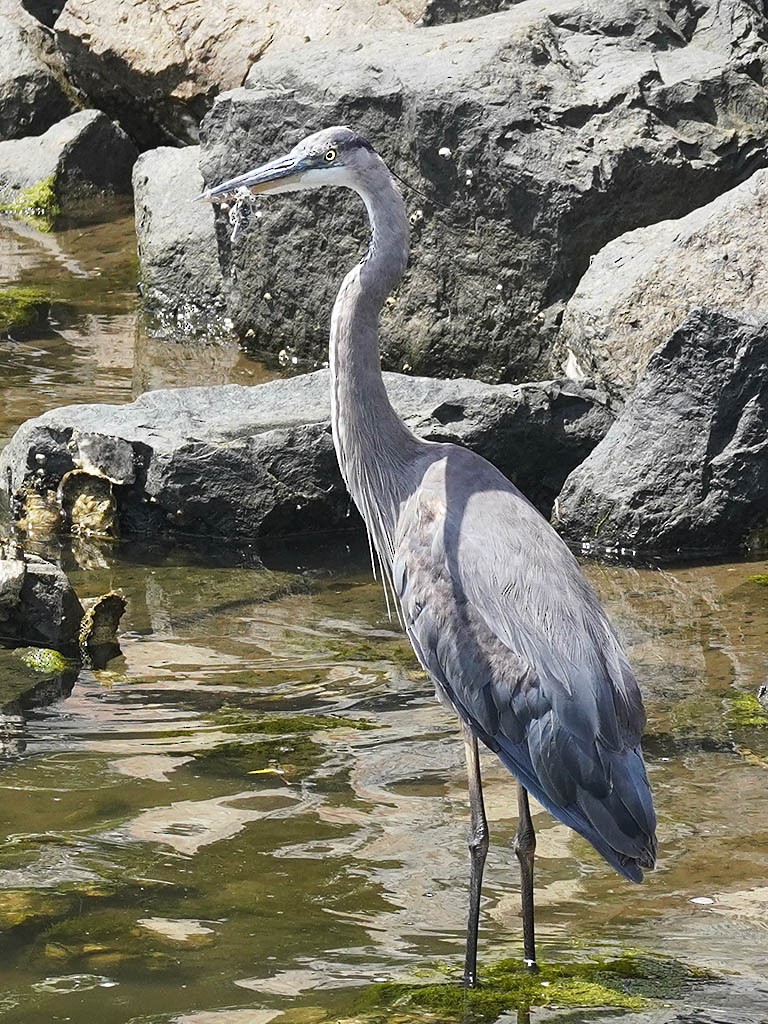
{"x": 642, "y": 285}
{"x": 543, "y": 132}
{"x": 86, "y": 154}
{"x": 157, "y": 67}
{"x": 33, "y": 89}
{"x": 181, "y": 280}
{"x": 443, "y": 12}
{"x": 37, "y": 604}
{"x": 246, "y": 462}
{"x": 685, "y": 466}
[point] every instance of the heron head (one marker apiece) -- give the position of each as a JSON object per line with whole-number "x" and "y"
{"x": 333, "y": 156}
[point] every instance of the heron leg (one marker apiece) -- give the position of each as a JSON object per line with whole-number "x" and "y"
{"x": 525, "y": 847}
{"x": 478, "y": 849}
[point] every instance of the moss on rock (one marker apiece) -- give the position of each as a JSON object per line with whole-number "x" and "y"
{"x": 37, "y": 204}
{"x": 627, "y": 982}
{"x": 21, "y": 308}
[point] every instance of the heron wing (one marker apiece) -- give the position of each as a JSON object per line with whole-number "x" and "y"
{"x": 502, "y": 618}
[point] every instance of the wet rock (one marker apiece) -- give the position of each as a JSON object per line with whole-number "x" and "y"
{"x": 685, "y": 466}
{"x": 181, "y": 280}
{"x": 546, "y": 130}
{"x": 236, "y": 462}
{"x": 88, "y": 503}
{"x": 157, "y": 67}
{"x": 37, "y": 604}
{"x": 642, "y": 285}
{"x": 86, "y": 154}
{"x": 33, "y": 91}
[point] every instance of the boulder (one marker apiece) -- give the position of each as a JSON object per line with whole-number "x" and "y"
{"x": 685, "y": 466}
{"x": 534, "y": 136}
{"x": 156, "y": 67}
{"x": 37, "y": 604}
{"x": 642, "y": 285}
{"x": 33, "y": 89}
{"x": 86, "y": 154}
{"x": 181, "y": 280}
{"x": 248, "y": 462}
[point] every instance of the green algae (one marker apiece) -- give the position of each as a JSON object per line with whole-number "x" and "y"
{"x": 46, "y": 660}
{"x": 37, "y": 205}
{"x": 628, "y": 982}
{"x": 291, "y": 758}
{"x": 760, "y": 578}
{"x": 22, "y": 308}
{"x": 235, "y": 720}
{"x": 746, "y": 712}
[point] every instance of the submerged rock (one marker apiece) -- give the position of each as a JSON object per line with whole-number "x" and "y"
{"x": 641, "y": 286}
{"x": 237, "y": 462}
{"x": 541, "y": 133}
{"x": 685, "y": 466}
{"x": 84, "y": 155}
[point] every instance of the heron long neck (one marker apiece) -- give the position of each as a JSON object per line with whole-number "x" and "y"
{"x": 374, "y": 447}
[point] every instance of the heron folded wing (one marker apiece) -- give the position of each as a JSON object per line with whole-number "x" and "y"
{"x": 512, "y": 634}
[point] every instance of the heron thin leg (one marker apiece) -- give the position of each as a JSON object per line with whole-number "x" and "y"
{"x": 525, "y": 847}
{"x": 478, "y": 849}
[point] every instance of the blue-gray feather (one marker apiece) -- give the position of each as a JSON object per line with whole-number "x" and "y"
{"x": 504, "y": 621}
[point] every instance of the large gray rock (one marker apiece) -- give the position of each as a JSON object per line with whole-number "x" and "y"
{"x": 237, "y": 462}
{"x": 86, "y": 154}
{"x": 545, "y": 130}
{"x": 181, "y": 279}
{"x": 685, "y": 466}
{"x": 642, "y": 285}
{"x": 37, "y": 604}
{"x": 33, "y": 88}
{"x": 156, "y": 67}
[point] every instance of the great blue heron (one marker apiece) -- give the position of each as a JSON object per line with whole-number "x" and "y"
{"x": 494, "y": 603}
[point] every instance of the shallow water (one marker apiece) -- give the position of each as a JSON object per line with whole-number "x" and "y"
{"x": 258, "y": 809}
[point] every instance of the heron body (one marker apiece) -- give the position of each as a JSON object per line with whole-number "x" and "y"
{"x": 494, "y": 603}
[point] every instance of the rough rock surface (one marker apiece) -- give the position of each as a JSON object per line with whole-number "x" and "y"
{"x": 37, "y": 604}
{"x": 83, "y": 155}
{"x": 181, "y": 279}
{"x": 156, "y": 66}
{"x": 642, "y": 285}
{"x": 546, "y": 130}
{"x": 32, "y": 83}
{"x": 236, "y": 462}
{"x": 685, "y": 466}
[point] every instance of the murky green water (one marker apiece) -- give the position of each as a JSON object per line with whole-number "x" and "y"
{"x": 257, "y": 811}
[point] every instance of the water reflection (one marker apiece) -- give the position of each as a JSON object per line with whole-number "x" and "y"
{"x": 197, "y": 783}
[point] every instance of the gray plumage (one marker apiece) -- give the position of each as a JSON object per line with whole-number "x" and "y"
{"x": 493, "y": 601}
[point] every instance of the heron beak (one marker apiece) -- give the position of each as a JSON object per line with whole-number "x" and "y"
{"x": 281, "y": 175}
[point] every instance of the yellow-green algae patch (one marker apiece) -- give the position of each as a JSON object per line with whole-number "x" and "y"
{"x": 746, "y": 712}
{"x": 21, "y": 307}
{"x": 761, "y": 578}
{"x": 44, "y": 659}
{"x": 37, "y": 205}
{"x": 628, "y": 982}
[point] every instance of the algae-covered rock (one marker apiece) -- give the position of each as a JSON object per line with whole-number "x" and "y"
{"x": 84, "y": 155}
{"x": 627, "y": 982}
{"x": 21, "y": 309}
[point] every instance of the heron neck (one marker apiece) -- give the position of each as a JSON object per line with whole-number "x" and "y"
{"x": 373, "y": 445}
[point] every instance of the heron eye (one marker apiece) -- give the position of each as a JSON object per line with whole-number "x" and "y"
{"x": 330, "y": 155}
